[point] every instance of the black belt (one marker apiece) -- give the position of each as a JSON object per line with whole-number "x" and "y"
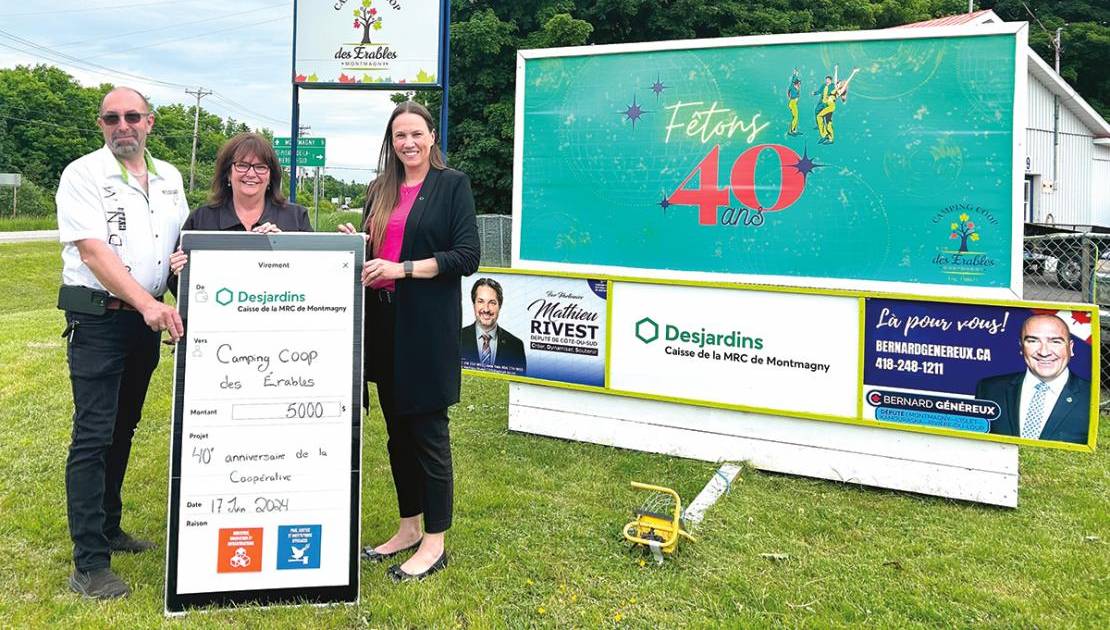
{"x": 116, "y": 304}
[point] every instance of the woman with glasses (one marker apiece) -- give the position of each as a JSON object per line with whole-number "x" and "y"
{"x": 246, "y": 195}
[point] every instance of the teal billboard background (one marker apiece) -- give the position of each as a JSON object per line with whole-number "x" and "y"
{"x": 911, "y": 182}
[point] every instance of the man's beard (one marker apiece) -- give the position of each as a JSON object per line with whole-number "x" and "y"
{"x": 121, "y": 150}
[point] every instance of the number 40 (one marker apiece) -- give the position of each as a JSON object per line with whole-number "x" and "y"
{"x": 707, "y": 197}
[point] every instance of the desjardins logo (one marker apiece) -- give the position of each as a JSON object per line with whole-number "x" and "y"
{"x": 225, "y": 296}
{"x": 647, "y": 331}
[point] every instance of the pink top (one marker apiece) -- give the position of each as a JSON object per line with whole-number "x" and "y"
{"x": 395, "y": 232}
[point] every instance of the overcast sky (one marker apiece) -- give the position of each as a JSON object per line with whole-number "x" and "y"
{"x": 240, "y": 50}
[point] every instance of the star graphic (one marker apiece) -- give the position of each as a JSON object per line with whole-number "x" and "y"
{"x": 658, "y": 87}
{"x": 806, "y": 165}
{"x": 664, "y": 204}
{"x": 634, "y": 112}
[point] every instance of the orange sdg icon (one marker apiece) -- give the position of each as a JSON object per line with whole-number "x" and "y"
{"x": 240, "y": 550}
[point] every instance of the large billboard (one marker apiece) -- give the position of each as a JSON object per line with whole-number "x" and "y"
{"x": 882, "y": 160}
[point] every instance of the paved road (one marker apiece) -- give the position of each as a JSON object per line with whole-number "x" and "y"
{"x": 1045, "y": 288}
{"x": 22, "y": 237}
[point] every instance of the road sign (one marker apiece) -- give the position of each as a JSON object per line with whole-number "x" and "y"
{"x": 301, "y": 142}
{"x": 310, "y": 151}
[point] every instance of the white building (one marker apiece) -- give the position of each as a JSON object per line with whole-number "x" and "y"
{"x": 1067, "y": 143}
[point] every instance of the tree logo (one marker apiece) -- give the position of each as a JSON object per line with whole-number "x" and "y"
{"x": 963, "y": 255}
{"x": 367, "y": 18}
{"x": 965, "y": 231}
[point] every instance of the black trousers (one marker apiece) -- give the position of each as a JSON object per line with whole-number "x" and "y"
{"x": 419, "y": 444}
{"x": 111, "y": 359}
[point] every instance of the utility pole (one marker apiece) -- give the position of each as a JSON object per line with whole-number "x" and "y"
{"x": 302, "y": 130}
{"x": 1057, "y": 47}
{"x": 316, "y": 195}
{"x": 199, "y": 93}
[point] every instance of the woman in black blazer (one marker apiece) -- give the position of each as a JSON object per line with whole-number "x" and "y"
{"x": 422, "y": 237}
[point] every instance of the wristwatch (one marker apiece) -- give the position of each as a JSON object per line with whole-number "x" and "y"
{"x": 408, "y": 268}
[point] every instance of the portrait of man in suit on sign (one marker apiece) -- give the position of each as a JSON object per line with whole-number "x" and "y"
{"x": 484, "y": 343}
{"x": 1046, "y": 401}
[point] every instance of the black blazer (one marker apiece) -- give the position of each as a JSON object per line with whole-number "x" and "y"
{"x": 441, "y": 225}
{"x": 1068, "y": 422}
{"x": 288, "y": 217}
{"x": 510, "y": 349}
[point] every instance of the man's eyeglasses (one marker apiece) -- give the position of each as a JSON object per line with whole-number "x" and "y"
{"x": 243, "y": 167}
{"x": 132, "y": 118}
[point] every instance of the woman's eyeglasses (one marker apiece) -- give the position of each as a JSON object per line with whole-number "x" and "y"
{"x": 132, "y": 118}
{"x": 243, "y": 167}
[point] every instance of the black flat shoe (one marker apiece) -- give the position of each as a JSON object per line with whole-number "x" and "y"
{"x": 370, "y": 555}
{"x": 399, "y": 575}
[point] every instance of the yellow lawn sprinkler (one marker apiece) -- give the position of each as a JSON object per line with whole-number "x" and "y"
{"x": 653, "y": 528}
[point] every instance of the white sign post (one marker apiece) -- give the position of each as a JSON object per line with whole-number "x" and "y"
{"x": 265, "y": 453}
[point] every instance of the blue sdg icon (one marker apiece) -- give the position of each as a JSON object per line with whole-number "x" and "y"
{"x": 298, "y": 547}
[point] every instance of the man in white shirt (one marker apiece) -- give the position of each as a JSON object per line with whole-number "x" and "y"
{"x": 1046, "y": 401}
{"x": 119, "y": 215}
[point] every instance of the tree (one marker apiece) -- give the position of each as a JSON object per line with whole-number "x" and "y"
{"x": 1085, "y": 38}
{"x": 47, "y": 120}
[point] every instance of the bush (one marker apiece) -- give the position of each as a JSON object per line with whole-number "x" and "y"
{"x": 197, "y": 198}
{"x": 31, "y": 201}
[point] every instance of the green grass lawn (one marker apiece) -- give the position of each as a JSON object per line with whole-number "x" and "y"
{"x": 536, "y": 539}
{"x": 27, "y": 223}
{"x": 327, "y": 221}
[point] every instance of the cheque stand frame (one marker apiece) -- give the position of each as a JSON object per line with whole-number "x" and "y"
{"x": 178, "y": 600}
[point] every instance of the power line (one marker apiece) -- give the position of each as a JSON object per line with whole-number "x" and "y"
{"x": 103, "y": 8}
{"x": 177, "y": 25}
{"x": 81, "y": 129}
{"x": 169, "y": 41}
{"x": 50, "y": 124}
{"x": 1053, "y": 39}
{"x": 80, "y": 63}
{"x": 232, "y": 103}
{"x": 68, "y": 60}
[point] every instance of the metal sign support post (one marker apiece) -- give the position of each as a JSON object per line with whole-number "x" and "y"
{"x": 296, "y": 116}
{"x": 293, "y": 143}
{"x": 444, "y": 72}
